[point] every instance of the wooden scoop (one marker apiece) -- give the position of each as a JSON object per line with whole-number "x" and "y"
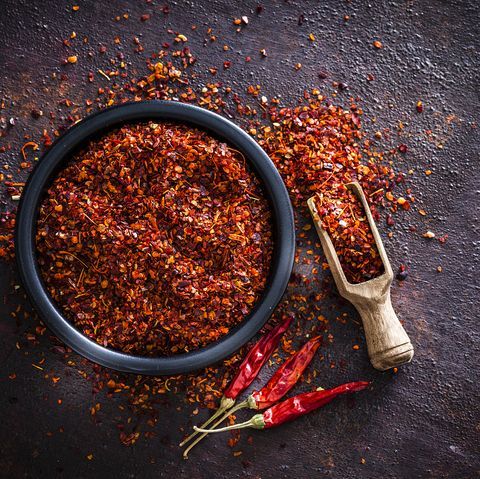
{"x": 388, "y": 343}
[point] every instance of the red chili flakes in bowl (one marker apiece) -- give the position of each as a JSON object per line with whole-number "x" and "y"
{"x": 156, "y": 239}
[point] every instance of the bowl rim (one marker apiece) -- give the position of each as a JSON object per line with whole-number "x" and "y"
{"x": 102, "y": 121}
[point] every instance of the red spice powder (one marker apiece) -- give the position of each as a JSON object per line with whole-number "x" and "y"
{"x": 156, "y": 239}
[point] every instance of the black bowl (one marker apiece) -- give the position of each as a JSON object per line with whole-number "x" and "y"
{"x": 99, "y": 123}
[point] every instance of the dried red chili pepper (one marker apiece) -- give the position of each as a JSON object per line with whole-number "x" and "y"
{"x": 280, "y": 383}
{"x": 286, "y": 376}
{"x": 247, "y": 372}
{"x": 255, "y": 359}
{"x": 293, "y": 407}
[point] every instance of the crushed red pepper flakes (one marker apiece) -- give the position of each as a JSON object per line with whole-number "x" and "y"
{"x": 141, "y": 394}
{"x": 345, "y": 221}
{"x": 317, "y": 145}
{"x": 402, "y": 273}
{"x": 156, "y": 239}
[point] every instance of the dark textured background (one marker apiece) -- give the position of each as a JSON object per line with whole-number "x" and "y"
{"x": 423, "y": 421}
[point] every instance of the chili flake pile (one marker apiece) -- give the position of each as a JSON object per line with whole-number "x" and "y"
{"x": 344, "y": 219}
{"x": 155, "y": 239}
{"x": 317, "y": 146}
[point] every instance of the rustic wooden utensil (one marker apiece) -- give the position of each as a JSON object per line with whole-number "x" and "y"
{"x": 388, "y": 343}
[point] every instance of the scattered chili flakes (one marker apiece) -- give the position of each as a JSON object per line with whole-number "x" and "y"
{"x": 402, "y": 273}
{"x": 29, "y": 144}
{"x": 312, "y": 129}
{"x": 317, "y": 145}
{"x": 181, "y": 38}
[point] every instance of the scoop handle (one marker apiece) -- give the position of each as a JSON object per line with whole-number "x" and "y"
{"x": 387, "y": 342}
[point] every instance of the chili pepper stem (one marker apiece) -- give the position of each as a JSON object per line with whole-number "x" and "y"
{"x": 218, "y": 412}
{"x": 225, "y": 403}
{"x": 256, "y": 422}
{"x": 236, "y": 408}
{"x": 241, "y": 405}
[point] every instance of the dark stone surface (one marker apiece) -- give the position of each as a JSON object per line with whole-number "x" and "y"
{"x": 423, "y": 421}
